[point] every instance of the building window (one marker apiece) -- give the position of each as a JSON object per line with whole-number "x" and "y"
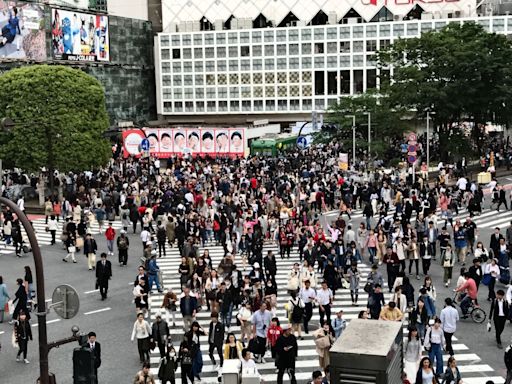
{"x": 306, "y": 48}
{"x": 306, "y": 77}
{"x": 306, "y": 34}
{"x": 198, "y": 39}
{"x": 222, "y": 92}
{"x": 357, "y": 60}
{"x": 332, "y": 61}
{"x": 221, "y": 51}
{"x": 187, "y": 66}
{"x": 199, "y": 93}
{"x": 222, "y": 79}
{"x": 186, "y": 40}
{"x": 178, "y": 94}
{"x": 234, "y": 92}
{"x": 384, "y": 44}
{"x": 198, "y": 66}
{"x": 257, "y": 65}
{"x": 371, "y": 79}
{"x": 319, "y": 34}
{"x": 221, "y": 39}
{"x": 426, "y": 27}
{"x": 189, "y": 106}
{"x": 282, "y": 105}
{"x": 269, "y": 78}
{"x": 306, "y": 62}
{"x": 270, "y": 105}
{"x": 256, "y": 50}
{"x": 245, "y": 51}
{"x": 268, "y": 36}
{"x": 233, "y": 51}
{"x": 246, "y": 105}
{"x": 178, "y": 106}
{"x": 319, "y": 83}
{"x": 293, "y": 77}
{"x": 208, "y": 39}
{"x": 223, "y": 105}
{"x": 210, "y": 106}
{"x": 164, "y": 40}
{"x": 258, "y": 91}
{"x": 258, "y": 105}
{"x": 233, "y": 78}
{"x": 269, "y": 64}
{"x": 257, "y": 78}
{"x": 189, "y": 93}
{"x": 167, "y": 107}
{"x": 245, "y": 65}
{"x": 319, "y": 62}
{"x": 398, "y": 30}
{"x": 165, "y": 54}
{"x": 166, "y": 81}
{"x": 209, "y": 53}
{"x": 166, "y": 67}
{"x": 358, "y": 81}
{"x": 232, "y": 38}
{"x": 332, "y": 83}
{"x": 294, "y": 63}
{"x": 246, "y": 78}
{"x": 371, "y": 45}
{"x": 246, "y": 92}
{"x": 282, "y": 91}
{"x": 371, "y": 31}
{"x": 233, "y": 65}
{"x": 358, "y": 31}
{"x": 281, "y": 35}
{"x": 210, "y": 66}
{"x": 221, "y": 66}
{"x": 332, "y": 33}
{"x": 176, "y": 53}
{"x": 345, "y": 33}
{"x": 198, "y": 53}
{"x": 281, "y": 50}
{"x": 167, "y": 93}
{"x": 256, "y": 37}
{"x": 358, "y": 46}
{"x": 319, "y": 104}
{"x": 294, "y": 105}
{"x": 344, "y": 46}
{"x": 385, "y": 30}
{"x": 319, "y": 48}
{"x": 281, "y": 63}
{"x": 210, "y": 79}
{"x": 175, "y": 40}
{"x": 293, "y": 35}
{"x": 294, "y": 49}
{"x": 210, "y": 93}
{"x": 270, "y": 92}
{"x": 269, "y": 50}
{"x": 345, "y": 82}
{"x": 412, "y": 29}
{"x": 200, "y": 106}
{"x": 188, "y": 80}
{"x": 199, "y": 79}
{"x": 244, "y": 37}
{"x": 332, "y": 47}
{"x": 294, "y": 91}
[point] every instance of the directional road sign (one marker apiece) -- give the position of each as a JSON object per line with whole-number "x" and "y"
{"x": 302, "y": 142}
{"x": 144, "y": 144}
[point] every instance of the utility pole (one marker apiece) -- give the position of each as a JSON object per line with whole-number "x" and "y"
{"x": 353, "y": 137}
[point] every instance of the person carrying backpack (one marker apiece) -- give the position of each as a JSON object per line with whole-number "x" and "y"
{"x": 123, "y": 243}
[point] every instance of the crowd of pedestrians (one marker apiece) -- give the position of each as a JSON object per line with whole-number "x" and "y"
{"x": 243, "y": 205}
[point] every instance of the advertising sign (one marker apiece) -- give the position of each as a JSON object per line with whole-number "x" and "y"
{"x": 167, "y": 142}
{"x": 79, "y": 36}
{"x": 343, "y": 162}
{"x": 23, "y": 33}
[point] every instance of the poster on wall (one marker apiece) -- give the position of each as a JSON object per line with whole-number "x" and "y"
{"x": 23, "y": 30}
{"x": 168, "y": 142}
{"x": 79, "y": 36}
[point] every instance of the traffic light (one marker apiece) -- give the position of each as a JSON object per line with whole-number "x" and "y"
{"x": 84, "y": 371}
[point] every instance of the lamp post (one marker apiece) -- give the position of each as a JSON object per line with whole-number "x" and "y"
{"x": 353, "y": 137}
{"x": 41, "y": 300}
{"x": 369, "y": 131}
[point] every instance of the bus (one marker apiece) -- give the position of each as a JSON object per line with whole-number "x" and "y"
{"x": 272, "y": 145}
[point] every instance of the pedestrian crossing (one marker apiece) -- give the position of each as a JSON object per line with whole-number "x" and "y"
{"x": 472, "y": 370}
{"x": 45, "y": 238}
{"x": 489, "y": 218}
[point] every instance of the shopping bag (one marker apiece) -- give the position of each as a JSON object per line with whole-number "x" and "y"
{"x": 486, "y": 279}
{"x": 79, "y": 242}
{"x": 11, "y": 307}
{"x": 14, "y": 342}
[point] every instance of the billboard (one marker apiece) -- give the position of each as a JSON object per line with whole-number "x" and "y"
{"x": 23, "y": 32}
{"x": 79, "y": 36}
{"x": 167, "y": 142}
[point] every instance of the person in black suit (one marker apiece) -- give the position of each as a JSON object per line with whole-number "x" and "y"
{"x": 216, "y": 338}
{"x": 475, "y": 271}
{"x": 95, "y": 348}
{"x": 499, "y": 311}
{"x": 495, "y": 242}
{"x": 103, "y": 275}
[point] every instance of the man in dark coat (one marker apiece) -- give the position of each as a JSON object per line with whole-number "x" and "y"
{"x": 286, "y": 349}
{"x": 216, "y": 338}
{"x": 103, "y": 274}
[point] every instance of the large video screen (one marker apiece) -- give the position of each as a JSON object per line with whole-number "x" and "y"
{"x": 79, "y": 36}
{"x": 23, "y": 32}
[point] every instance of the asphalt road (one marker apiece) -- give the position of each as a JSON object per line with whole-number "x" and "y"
{"x": 113, "y": 319}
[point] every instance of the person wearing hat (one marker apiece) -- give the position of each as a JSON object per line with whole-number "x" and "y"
{"x": 123, "y": 243}
{"x": 22, "y": 333}
{"x": 287, "y": 349}
{"x": 103, "y": 274}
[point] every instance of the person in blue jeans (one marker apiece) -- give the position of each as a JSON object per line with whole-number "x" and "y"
{"x": 153, "y": 270}
{"x": 435, "y": 343}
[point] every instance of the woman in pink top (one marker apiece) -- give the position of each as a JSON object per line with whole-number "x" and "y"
{"x": 444, "y": 202}
{"x": 371, "y": 244}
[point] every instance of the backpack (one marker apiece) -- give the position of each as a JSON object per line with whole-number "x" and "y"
{"x": 122, "y": 243}
{"x": 297, "y": 312}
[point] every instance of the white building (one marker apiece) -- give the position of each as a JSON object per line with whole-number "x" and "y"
{"x": 235, "y": 61}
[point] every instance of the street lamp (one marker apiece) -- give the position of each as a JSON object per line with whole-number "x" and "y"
{"x": 369, "y": 131}
{"x": 353, "y": 137}
{"x": 428, "y": 139}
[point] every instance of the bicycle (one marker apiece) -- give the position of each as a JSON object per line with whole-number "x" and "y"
{"x": 476, "y": 313}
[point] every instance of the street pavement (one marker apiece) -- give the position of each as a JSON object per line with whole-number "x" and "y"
{"x": 113, "y": 319}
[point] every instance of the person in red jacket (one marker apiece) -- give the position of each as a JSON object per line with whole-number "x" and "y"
{"x": 110, "y": 234}
{"x": 273, "y": 333}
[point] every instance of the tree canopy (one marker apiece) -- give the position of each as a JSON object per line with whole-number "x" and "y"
{"x": 59, "y": 115}
{"x": 461, "y": 73}
{"x": 387, "y": 124}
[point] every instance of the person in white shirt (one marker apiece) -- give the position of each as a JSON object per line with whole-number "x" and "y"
{"x": 21, "y": 204}
{"x": 324, "y": 299}
{"x": 493, "y": 270}
{"x": 449, "y": 317}
{"x": 308, "y": 296}
{"x": 248, "y": 364}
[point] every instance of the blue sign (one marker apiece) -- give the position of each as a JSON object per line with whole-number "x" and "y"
{"x": 411, "y": 159}
{"x": 302, "y": 142}
{"x": 403, "y": 148}
{"x": 144, "y": 145}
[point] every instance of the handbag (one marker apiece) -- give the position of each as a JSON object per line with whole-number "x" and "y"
{"x": 486, "y": 279}
{"x": 146, "y": 344}
{"x": 368, "y": 287}
{"x": 79, "y": 242}
{"x": 11, "y": 307}
{"x": 64, "y": 236}
{"x": 186, "y": 360}
{"x": 427, "y": 344}
{"x": 14, "y": 342}
{"x": 72, "y": 249}
{"x": 26, "y": 249}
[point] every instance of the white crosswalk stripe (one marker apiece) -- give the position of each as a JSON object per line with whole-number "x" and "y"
{"x": 45, "y": 238}
{"x": 473, "y": 371}
{"x": 489, "y": 218}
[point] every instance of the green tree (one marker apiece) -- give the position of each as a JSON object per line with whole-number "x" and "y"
{"x": 59, "y": 115}
{"x": 462, "y": 73}
{"x": 387, "y": 124}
